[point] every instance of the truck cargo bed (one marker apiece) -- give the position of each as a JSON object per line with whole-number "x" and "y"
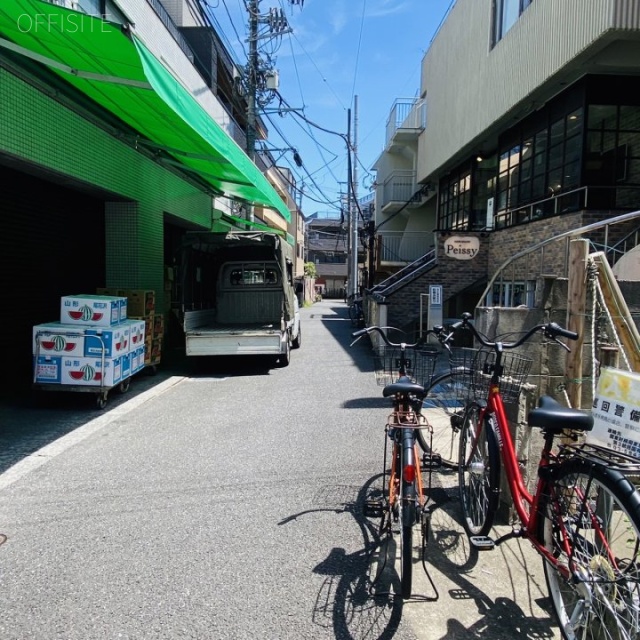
{"x": 204, "y": 337}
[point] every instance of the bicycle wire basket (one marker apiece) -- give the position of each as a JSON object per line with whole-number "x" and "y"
{"x": 515, "y": 370}
{"x": 461, "y": 359}
{"x": 420, "y": 364}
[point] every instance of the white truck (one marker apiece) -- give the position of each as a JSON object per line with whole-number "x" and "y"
{"x": 236, "y": 295}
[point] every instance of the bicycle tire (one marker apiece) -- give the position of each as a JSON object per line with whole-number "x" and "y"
{"x": 407, "y": 516}
{"x": 406, "y": 561}
{"x": 354, "y": 315}
{"x": 444, "y": 408}
{"x": 478, "y": 473}
{"x": 599, "y": 531}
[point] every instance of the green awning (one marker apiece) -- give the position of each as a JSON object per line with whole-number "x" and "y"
{"x": 118, "y": 72}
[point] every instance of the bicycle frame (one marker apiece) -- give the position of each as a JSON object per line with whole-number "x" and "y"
{"x": 396, "y": 454}
{"x": 526, "y": 504}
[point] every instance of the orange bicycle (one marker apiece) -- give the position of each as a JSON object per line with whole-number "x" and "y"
{"x": 403, "y": 369}
{"x": 584, "y": 516}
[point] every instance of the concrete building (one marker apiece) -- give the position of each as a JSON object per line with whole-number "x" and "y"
{"x": 526, "y": 125}
{"x": 121, "y": 130}
{"x": 327, "y": 244}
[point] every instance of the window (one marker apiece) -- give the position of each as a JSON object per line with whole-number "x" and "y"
{"x": 613, "y": 144}
{"x": 546, "y": 163}
{"x": 512, "y": 294}
{"x": 505, "y": 15}
{"x": 251, "y": 275}
{"x": 455, "y": 201}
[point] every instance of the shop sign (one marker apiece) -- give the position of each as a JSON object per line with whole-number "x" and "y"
{"x": 616, "y": 412}
{"x": 461, "y": 247}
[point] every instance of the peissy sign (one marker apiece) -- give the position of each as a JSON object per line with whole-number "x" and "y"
{"x": 461, "y": 247}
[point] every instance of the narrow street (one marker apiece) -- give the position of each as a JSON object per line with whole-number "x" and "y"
{"x": 223, "y": 503}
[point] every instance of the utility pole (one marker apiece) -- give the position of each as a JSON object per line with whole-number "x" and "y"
{"x": 252, "y": 71}
{"x": 260, "y": 79}
{"x": 353, "y": 192}
{"x": 352, "y": 273}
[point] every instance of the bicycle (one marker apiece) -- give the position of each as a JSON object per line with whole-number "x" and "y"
{"x": 356, "y": 312}
{"x": 444, "y": 405}
{"x": 584, "y": 515}
{"x": 404, "y": 504}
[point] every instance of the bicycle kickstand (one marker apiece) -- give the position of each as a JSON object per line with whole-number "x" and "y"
{"x": 424, "y": 524}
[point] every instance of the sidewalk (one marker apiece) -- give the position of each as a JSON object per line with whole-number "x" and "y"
{"x": 495, "y": 595}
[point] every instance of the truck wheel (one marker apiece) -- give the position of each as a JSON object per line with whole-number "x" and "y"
{"x": 285, "y": 357}
{"x": 297, "y": 341}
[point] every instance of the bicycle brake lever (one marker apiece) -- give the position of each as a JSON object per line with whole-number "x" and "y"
{"x": 563, "y": 345}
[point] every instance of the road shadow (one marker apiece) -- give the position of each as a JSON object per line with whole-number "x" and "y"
{"x": 345, "y": 602}
{"x": 497, "y": 618}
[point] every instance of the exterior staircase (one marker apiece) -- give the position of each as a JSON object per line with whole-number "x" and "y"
{"x": 381, "y": 291}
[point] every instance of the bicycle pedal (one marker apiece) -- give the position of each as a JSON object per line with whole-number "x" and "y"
{"x": 431, "y": 460}
{"x": 373, "y": 509}
{"x": 482, "y": 543}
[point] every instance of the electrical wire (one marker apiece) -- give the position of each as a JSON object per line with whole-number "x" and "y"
{"x": 355, "y": 71}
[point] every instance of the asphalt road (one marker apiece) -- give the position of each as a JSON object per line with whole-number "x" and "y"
{"x": 220, "y": 502}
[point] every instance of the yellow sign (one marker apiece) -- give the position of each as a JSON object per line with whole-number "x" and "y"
{"x": 616, "y": 412}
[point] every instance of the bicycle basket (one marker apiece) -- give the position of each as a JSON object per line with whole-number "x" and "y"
{"x": 461, "y": 358}
{"x": 515, "y": 369}
{"x": 419, "y": 368}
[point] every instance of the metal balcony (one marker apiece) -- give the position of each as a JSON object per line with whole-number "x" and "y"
{"x": 406, "y": 120}
{"x": 399, "y": 190}
{"x": 398, "y": 248}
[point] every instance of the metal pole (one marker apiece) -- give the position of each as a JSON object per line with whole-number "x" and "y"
{"x": 251, "y": 90}
{"x": 354, "y": 191}
{"x": 251, "y": 80}
{"x": 352, "y": 273}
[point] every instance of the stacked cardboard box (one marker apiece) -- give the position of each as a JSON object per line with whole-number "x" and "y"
{"x": 93, "y": 343}
{"x": 141, "y": 305}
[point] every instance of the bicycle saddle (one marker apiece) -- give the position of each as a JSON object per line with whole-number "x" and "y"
{"x": 551, "y": 415}
{"x": 404, "y": 386}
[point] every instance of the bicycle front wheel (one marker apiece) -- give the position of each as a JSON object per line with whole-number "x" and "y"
{"x": 443, "y": 408}
{"x": 590, "y": 522}
{"x": 478, "y": 472}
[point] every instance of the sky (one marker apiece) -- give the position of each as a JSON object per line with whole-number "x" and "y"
{"x": 343, "y": 57}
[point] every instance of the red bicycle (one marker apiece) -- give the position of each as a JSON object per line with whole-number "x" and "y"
{"x": 584, "y": 515}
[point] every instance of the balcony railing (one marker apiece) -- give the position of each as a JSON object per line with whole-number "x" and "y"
{"x": 402, "y": 247}
{"x": 408, "y": 115}
{"x": 399, "y": 189}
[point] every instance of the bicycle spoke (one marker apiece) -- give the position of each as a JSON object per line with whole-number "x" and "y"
{"x": 592, "y": 531}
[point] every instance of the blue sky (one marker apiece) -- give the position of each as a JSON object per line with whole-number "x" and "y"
{"x": 339, "y": 49}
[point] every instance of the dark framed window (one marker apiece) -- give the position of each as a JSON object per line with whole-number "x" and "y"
{"x": 537, "y": 166}
{"x": 454, "y": 206}
{"x": 505, "y": 15}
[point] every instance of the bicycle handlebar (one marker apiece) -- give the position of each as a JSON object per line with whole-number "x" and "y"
{"x": 437, "y": 331}
{"x": 551, "y": 330}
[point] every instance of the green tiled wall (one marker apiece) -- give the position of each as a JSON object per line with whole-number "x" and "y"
{"x": 38, "y": 128}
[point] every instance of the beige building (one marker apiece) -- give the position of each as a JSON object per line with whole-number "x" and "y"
{"x": 527, "y": 125}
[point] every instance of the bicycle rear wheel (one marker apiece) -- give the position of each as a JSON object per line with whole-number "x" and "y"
{"x": 443, "y": 409}
{"x": 355, "y": 315}
{"x": 478, "y": 473}
{"x": 407, "y": 519}
{"x": 590, "y": 522}
{"x": 406, "y": 554}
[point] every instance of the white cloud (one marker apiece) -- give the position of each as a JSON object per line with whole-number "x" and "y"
{"x": 386, "y": 7}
